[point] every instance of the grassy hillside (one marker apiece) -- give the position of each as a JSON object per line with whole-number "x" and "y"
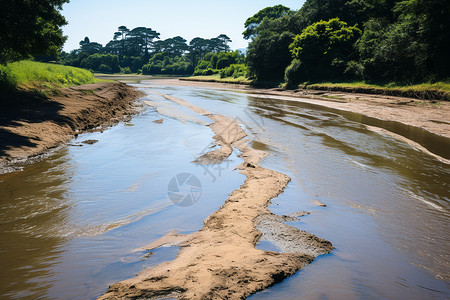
{"x": 35, "y": 75}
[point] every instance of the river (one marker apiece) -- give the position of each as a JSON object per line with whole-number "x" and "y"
{"x": 70, "y": 223}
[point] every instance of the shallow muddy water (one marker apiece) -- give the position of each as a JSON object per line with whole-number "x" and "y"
{"x": 70, "y": 223}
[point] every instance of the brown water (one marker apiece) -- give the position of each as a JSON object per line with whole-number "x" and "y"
{"x": 69, "y": 223}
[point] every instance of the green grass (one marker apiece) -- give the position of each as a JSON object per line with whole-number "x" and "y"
{"x": 35, "y": 75}
{"x": 216, "y": 78}
{"x": 444, "y": 86}
{"x": 437, "y": 90}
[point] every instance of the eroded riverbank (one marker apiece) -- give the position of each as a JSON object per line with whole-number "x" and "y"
{"x": 31, "y": 124}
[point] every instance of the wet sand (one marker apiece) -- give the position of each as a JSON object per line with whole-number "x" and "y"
{"x": 31, "y": 124}
{"x": 221, "y": 260}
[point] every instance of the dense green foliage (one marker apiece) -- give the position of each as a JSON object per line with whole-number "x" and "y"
{"x": 212, "y": 63}
{"x": 36, "y": 74}
{"x": 30, "y": 28}
{"x": 323, "y": 51}
{"x": 140, "y": 50}
{"x": 274, "y": 12}
{"x": 161, "y": 63}
{"x": 104, "y": 63}
{"x": 373, "y": 40}
{"x": 234, "y": 70}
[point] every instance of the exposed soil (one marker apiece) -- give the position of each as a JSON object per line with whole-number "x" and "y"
{"x": 31, "y": 123}
{"x": 221, "y": 260}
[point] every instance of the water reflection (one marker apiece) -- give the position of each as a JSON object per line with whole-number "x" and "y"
{"x": 387, "y": 206}
{"x": 33, "y": 204}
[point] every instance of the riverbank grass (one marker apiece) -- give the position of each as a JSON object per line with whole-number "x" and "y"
{"x": 42, "y": 76}
{"x": 429, "y": 91}
{"x": 216, "y": 78}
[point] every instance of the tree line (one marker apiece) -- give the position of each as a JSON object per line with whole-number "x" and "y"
{"x": 340, "y": 40}
{"x": 405, "y": 41}
{"x": 141, "y": 50}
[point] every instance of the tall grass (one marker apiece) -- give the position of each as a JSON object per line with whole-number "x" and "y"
{"x": 424, "y": 91}
{"x": 216, "y": 78}
{"x": 445, "y": 86}
{"x": 29, "y": 74}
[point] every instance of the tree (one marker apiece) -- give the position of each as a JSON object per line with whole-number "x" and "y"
{"x": 175, "y": 46}
{"x": 113, "y": 47}
{"x": 142, "y": 38}
{"x": 224, "y": 40}
{"x": 121, "y": 34}
{"x": 30, "y": 28}
{"x": 198, "y": 47}
{"x": 90, "y": 47}
{"x": 273, "y": 12}
{"x": 268, "y": 53}
{"x": 96, "y": 61}
{"x": 324, "y": 50}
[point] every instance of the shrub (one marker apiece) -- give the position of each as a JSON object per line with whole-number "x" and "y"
{"x": 105, "y": 69}
{"x": 293, "y": 74}
{"x": 8, "y": 82}
{"x": 95, "y": 61}
{"x": 125, "y": 70}
{"x": 235, "y": 71}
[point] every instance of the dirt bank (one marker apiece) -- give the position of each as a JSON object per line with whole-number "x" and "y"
{"x": 31, "y": 123}
{"x": 221, "y": 261}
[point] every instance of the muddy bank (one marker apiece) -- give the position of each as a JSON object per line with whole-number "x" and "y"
{"x": 221, "y": 260}
{"x": 31, "y": 124}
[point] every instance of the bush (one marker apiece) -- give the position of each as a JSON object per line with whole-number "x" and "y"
{"x": 104, "y": 69}
{"x": 293, "y": 74}
{"x": 125, "y": 70}
{"x": 95, "y": 61}
{"x": 162, "y": 63}
{"x": 8, "y": 82}
{"x": 209, "y": 72}
{"x": 235, "y": 71}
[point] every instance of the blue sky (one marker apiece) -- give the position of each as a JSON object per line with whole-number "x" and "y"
{"x": 99, "y": 19}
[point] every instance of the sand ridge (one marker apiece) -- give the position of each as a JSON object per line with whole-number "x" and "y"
{"x": 221, "y": 260}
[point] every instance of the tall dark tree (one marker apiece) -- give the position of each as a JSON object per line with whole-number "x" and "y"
{"x": 175, "y": 46}
{"x": 30, "y": 28}
{"x": 90, "y": 47}
{"x": 198, "y": 47}
{"x": 224, "y": 40}
{"x": 268, "y": 53}
{"x": 273, "y": 12}
{"x": 121, "y": 35}
{"x": 142, "y": 38}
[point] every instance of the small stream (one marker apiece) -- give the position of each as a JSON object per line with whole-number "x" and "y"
{"x": 70, "y": 223}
